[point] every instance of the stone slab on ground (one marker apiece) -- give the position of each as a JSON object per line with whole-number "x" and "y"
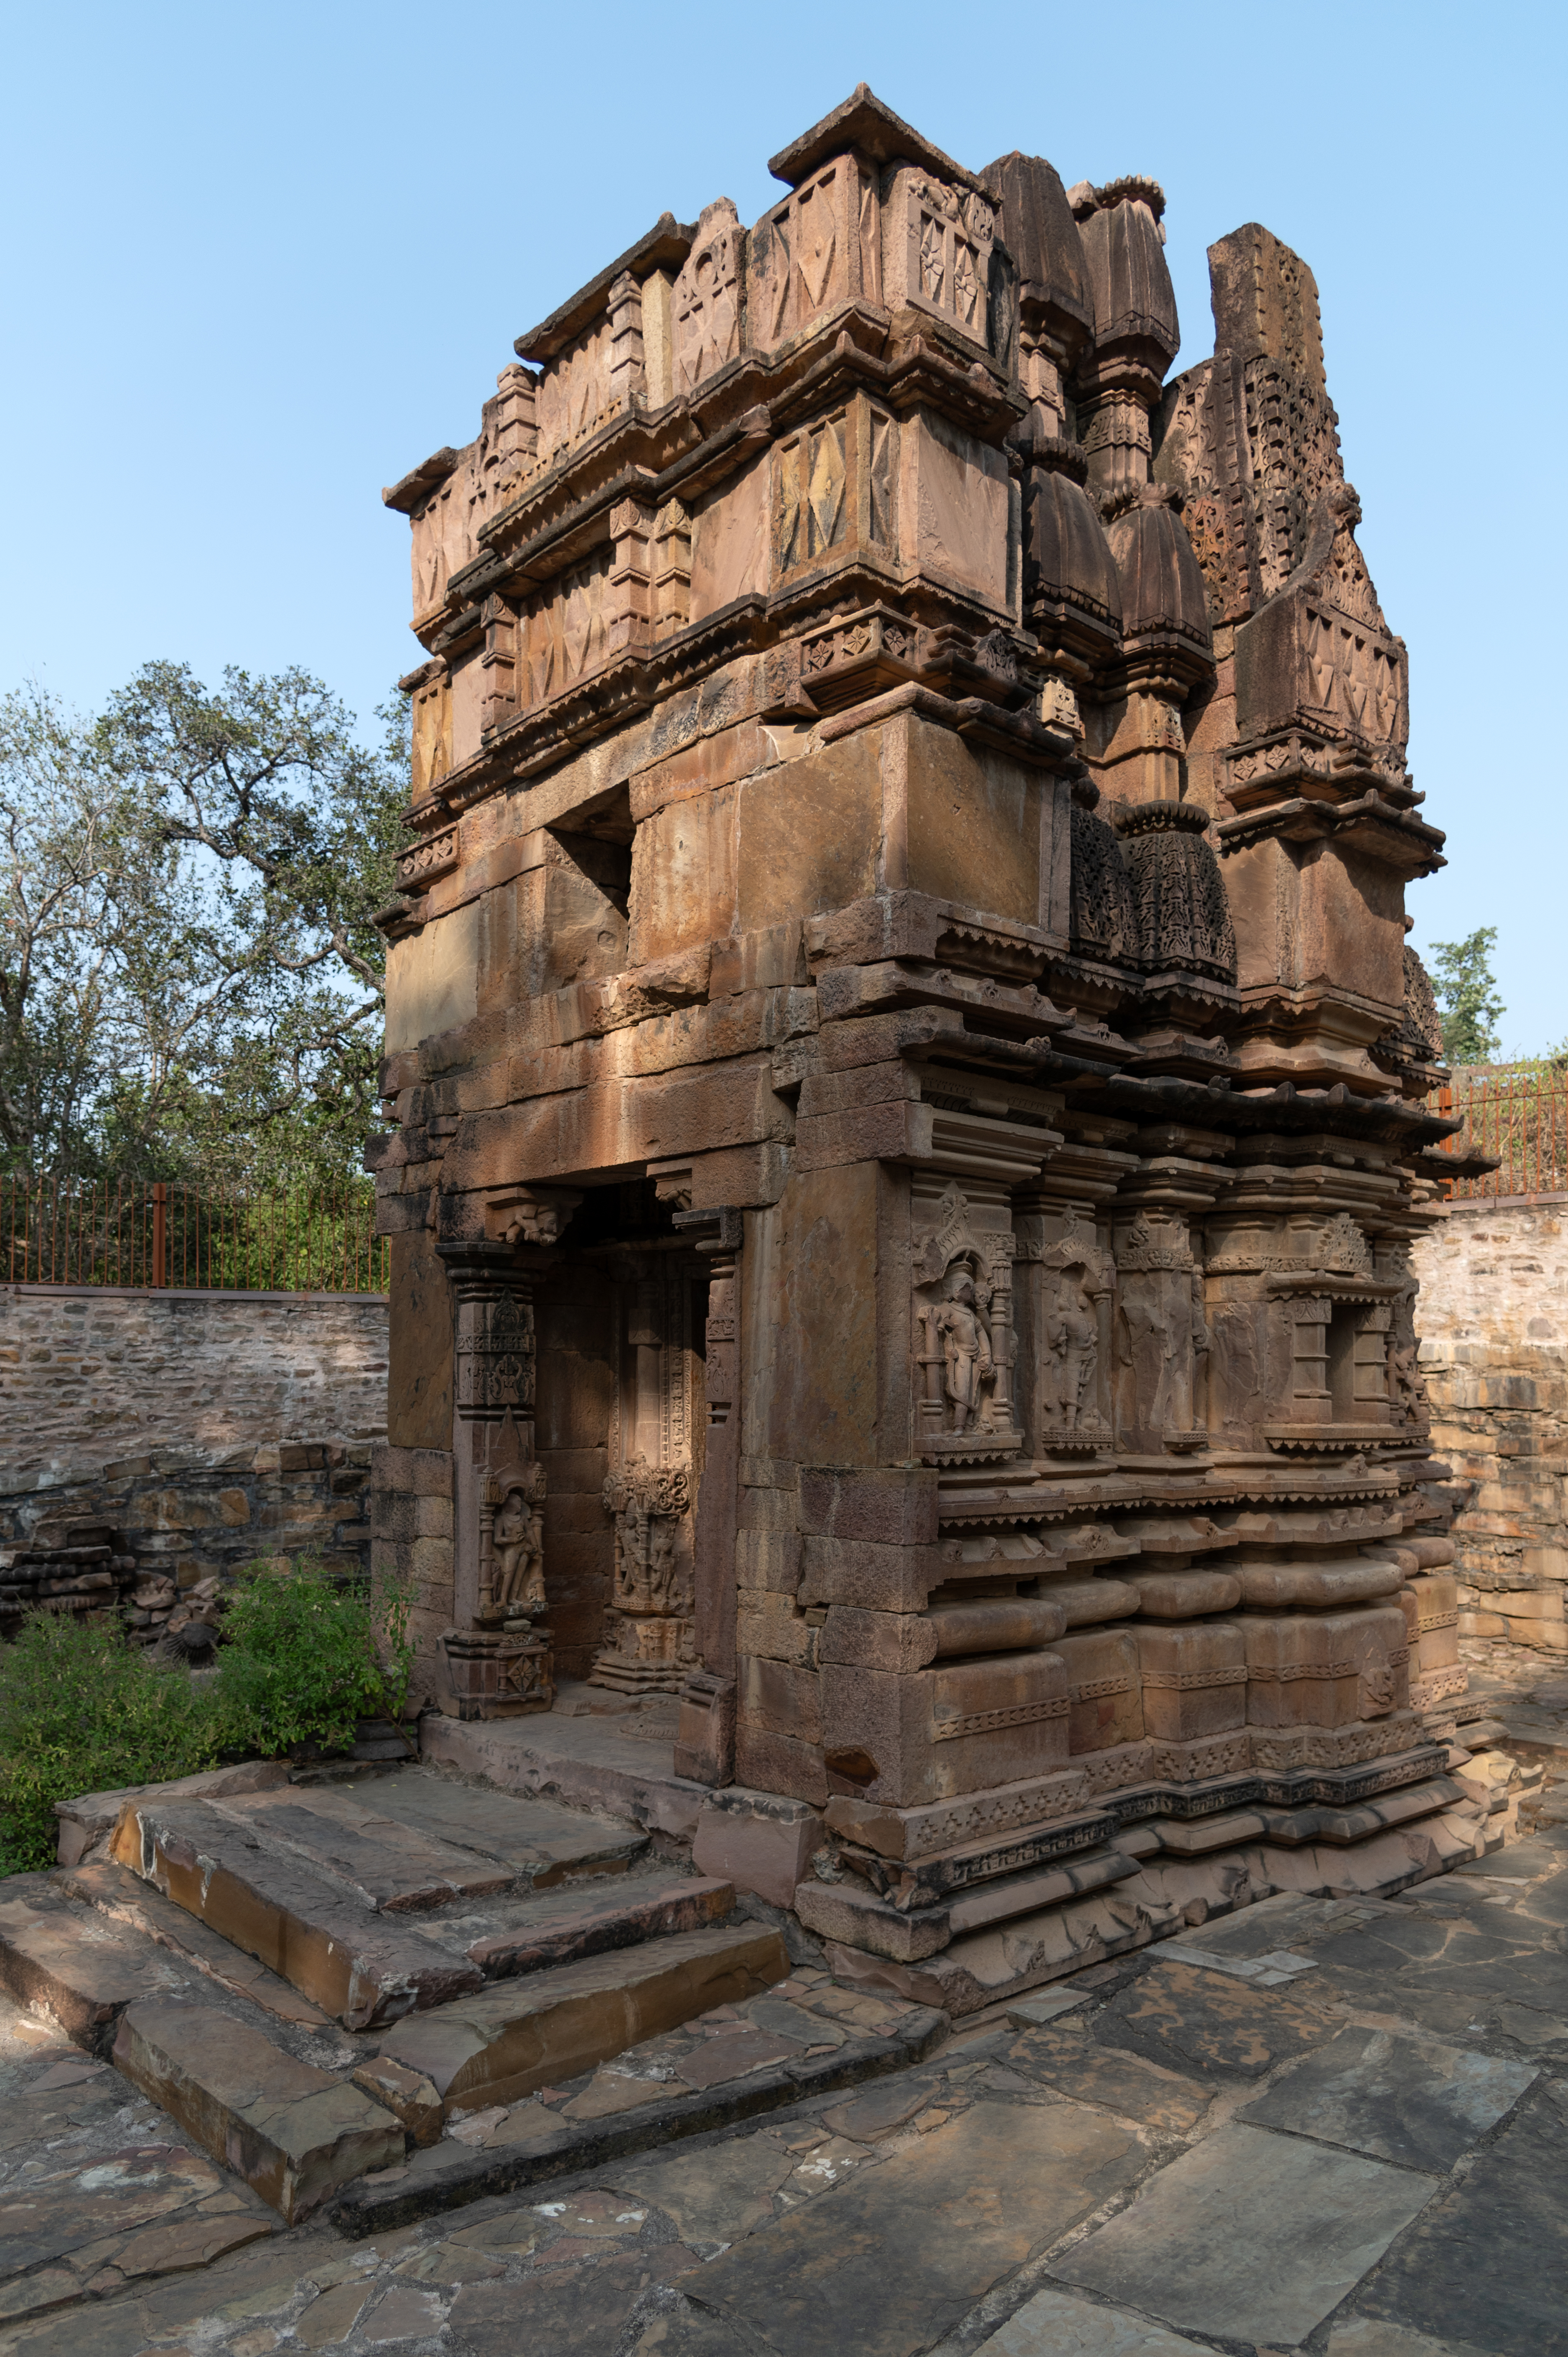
{"x": 1364, "y": 2336}
{"x": 1404, "y": 2099}
{"x": 1192, "y": 2021}
{"x": 1250, "y": 2236}
{"x": 145, "y": 2209}
{"x": 95, "y": 2190}
{"x": 1488, "y": 2263}
{"x": 865, "y": 2269}
{"x": 1061, "y": 2324}
{"x": 1065, "y": 2056}
{"x": 294, "y": 2132}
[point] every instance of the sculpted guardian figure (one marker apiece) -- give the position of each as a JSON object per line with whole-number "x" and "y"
{"x": 966, "y": 1351}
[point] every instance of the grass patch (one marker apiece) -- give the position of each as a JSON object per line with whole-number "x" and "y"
{"x": 81, "y": 1711}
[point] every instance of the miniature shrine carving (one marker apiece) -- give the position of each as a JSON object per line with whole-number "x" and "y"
{"x": 909, "y": 1096}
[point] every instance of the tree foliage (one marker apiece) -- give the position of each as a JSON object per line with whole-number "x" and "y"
{"x": 1467, "y": 1001}
{"x": 190, "y": 983}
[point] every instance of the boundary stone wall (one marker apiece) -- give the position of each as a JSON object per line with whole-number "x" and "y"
{"x": 1493, "y": 1316}
{"x": 90, "y": 1375}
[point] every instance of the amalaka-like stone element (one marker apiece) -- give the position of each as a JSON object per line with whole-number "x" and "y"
{"x": 906, "y": 1084}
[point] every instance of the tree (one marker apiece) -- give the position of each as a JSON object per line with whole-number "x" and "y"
{"x": 83, "y": 877}
{"x": 1465, "y": 990}
{"x": 297, "y": 825}
{"x": 189, "y": 979}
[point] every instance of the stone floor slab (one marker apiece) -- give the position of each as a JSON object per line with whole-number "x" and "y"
{"x": 1405, "y": 2099}
{"x": 891, "y": 2259}
{"x": 1250, "y": 2236}
{"x": 1058, "y": 2324}
{"x": 716, "y": 2196}
{"x": 569, "y": 2311}
{"x": 1205, "y": 2023}
{"x": 1487, "y": 2264}
{"x": 1364, "y": 2336}
{"x": 1034, "y": 2012}
{"x": 1068, "y": 2059}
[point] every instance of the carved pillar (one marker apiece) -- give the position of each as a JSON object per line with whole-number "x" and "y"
{"x": 999, "y": 1281}
{"x": 704, "y": 1747}
{"x": 647, "y": 1492}
{"x": 497, "y": 1664}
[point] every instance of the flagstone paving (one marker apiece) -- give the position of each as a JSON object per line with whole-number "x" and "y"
{"x": 1339, "y": 2126}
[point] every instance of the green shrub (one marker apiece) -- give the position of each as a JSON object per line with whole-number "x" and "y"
{"x": 81, "y": 1711}
{"x": 299, "y": 1662}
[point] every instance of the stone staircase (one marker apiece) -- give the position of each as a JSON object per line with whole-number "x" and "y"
{"x": 317, "y": 1982}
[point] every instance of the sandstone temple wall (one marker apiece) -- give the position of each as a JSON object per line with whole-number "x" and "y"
{"x": 94, "y": 1374}
{"x": 1494, "y": 1354}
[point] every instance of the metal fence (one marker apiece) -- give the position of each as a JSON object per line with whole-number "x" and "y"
{"x": 1521, "y": 1116}
{"x": 308, "y": 1238}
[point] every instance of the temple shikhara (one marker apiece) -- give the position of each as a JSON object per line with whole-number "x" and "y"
{"x": 906, "y": 1090}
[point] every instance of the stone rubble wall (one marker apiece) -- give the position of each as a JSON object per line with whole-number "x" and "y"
{"x": 94, "y": 1374}
{"x": 1493, "y": 1315}
{"x": 187, "y": 1516}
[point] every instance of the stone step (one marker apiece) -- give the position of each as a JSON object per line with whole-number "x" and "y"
{"x": 252, "y": 1875}
{"x": 533, "y": 1934}
{"x": 127, "y": 1900}
{"x": 527, "y": 2033}
{"x": 293, "y": 2131}
{"x": 545, "y": 1843}
{"x": 365, "y": 1966}
{"x": 779, "y": 2053}
{"x": 372, "y": 1858}
{"x": 76, "y": 1966}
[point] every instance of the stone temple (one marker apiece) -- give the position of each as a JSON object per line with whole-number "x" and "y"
{"x": 907, "y": 1090}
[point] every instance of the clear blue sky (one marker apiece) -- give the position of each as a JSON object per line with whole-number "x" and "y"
{"x": 261, "y": 260}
